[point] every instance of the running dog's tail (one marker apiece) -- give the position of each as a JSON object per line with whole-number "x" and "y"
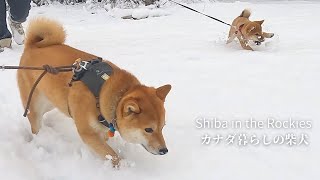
{"x": 43, "y": 32}
{"x": 245, "y": 13}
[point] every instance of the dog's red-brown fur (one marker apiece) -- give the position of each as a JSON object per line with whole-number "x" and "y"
{"x": 135, "y": 106}
{"x": 246, "y": 30}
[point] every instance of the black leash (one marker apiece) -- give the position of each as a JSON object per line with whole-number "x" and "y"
{"x": 200, "y": 13}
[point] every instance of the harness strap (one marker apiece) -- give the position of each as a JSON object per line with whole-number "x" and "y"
{"x": 69, "y": 108}
{"x": 239, "y": 29}
{"x": 111, "y": 125}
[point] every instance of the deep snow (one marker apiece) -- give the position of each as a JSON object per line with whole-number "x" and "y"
{"x": 209, "y": 79}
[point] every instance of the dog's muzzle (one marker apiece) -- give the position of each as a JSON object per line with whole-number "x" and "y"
{"x": 257, "y": 43}
{"x": 260, "y": 40}
{"x": 163, "y": 151}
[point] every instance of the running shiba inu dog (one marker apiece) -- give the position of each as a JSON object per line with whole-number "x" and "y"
{"x": 138, "y": 110}
{"x": 246, "y": 30}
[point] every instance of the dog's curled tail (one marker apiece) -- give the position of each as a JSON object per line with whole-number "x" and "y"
{"x": 245, "y": 13}
{"x": 43, "y": 32}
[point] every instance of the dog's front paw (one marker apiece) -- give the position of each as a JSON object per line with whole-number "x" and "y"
{"x": 247, "y": 47}
{"x": 115, "y": 159}
{"x": 116, "y": 162}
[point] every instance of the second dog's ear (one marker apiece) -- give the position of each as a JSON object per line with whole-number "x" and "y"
{"x": 260, "y": 22}
{"x": 163, "y": 91}
{"x": 131, "y": 106}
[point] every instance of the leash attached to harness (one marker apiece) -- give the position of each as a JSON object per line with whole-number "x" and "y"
{"x": 46, "y": 69}
{"x": 92, "y": 73}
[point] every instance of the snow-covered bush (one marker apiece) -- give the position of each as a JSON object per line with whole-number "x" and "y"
{"x": 102, "y": 3}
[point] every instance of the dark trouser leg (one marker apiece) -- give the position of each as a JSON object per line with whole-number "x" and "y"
{"x": 19, "y": 10}
{"x": 4, "y": 32}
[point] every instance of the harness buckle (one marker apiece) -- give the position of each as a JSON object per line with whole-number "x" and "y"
{"x": 80, "y": 65}
{"x": 83, "y": 64}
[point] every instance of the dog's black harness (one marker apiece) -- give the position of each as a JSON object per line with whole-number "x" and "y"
{"x": 93, "y": 74}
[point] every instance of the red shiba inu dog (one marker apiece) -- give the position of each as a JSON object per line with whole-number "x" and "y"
{"x": 137, "y": 110}
{"x": 246, "y": 30}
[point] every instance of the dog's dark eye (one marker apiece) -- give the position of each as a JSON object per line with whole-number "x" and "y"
{"x": 149, "y": 130}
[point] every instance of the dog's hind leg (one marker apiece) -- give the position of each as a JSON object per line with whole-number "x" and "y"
{"x": 39, "y": 104}
{"x": 267, "y": 35}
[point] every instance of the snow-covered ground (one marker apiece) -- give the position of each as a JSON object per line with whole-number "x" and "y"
{"x": 209, "y": 79}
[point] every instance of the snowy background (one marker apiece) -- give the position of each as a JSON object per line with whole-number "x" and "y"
{"x": 210, "y": 79}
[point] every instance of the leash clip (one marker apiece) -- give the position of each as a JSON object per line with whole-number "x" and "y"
{"x": 3, "y": 67}
{"x": 79, "y": 66}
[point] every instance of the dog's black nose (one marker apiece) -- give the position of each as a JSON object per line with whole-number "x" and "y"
{"x": 163, "y": 151}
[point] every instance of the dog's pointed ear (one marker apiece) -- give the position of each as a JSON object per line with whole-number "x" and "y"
{"x": 163, "y": 91}
{"x": 260, "y": 22}
{"x": 131, "y": 106}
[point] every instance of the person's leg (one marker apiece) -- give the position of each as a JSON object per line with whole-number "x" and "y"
{"x": 19, "y": 10}
{"x": 5, "y": 35}
{"x": 4, "y": 32}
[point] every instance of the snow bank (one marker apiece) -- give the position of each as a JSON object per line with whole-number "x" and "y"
{"x": 139, "y": 13}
